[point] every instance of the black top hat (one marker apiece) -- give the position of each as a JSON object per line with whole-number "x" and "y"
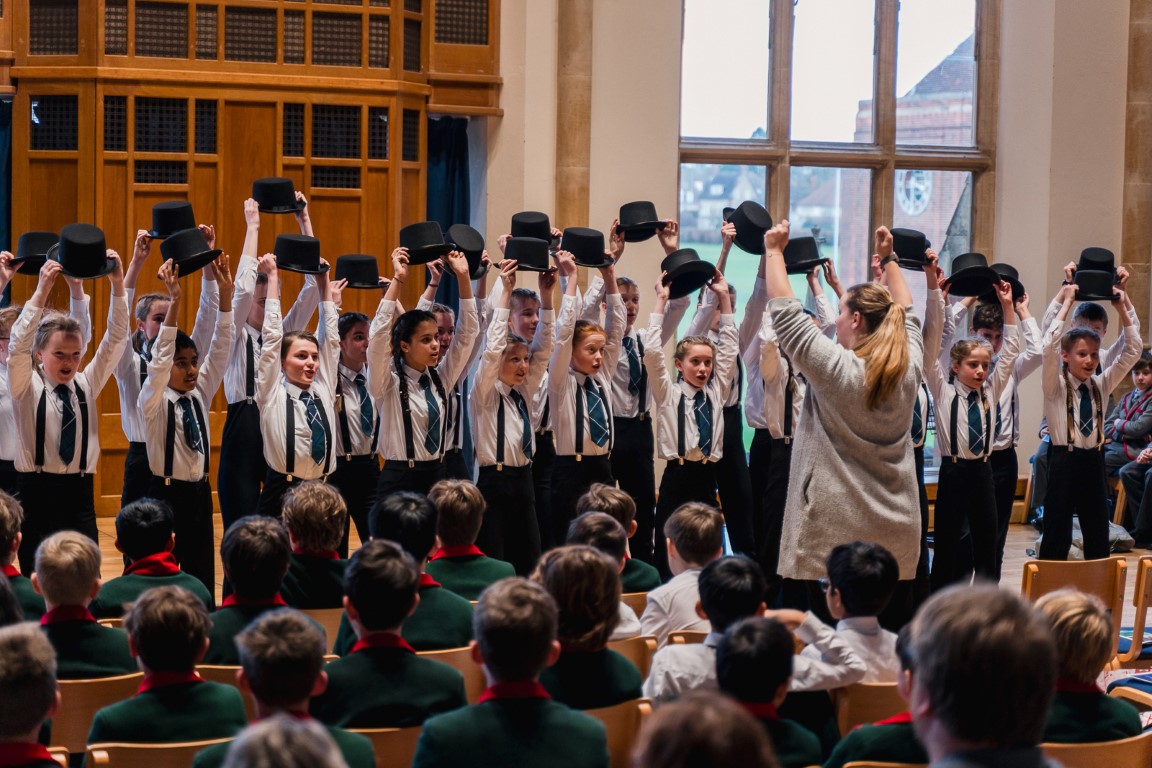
{"x": 1095, "y": 285}
{"x": 586, "y": 246}
{"x": 298, "y": 253}
{"x": 909, "y": 246}
{"x": 638, "y": 221}
{"x": 971, "y": 275}
{"x": 1096, "y": 259}
{"x": 188, "y": 250}
{"x": 752, "y": 221}
{"x": 360, "y": 270}
{"x": 533, "y": 224}
{"x": 727, "y": 213}
{"x": 82, "y": 252}
{"x": 424, "y": 241}
{"x": 275, "y": 194}
{"x": 32, "y": 251}
{"x": 1010, "y": 275}
{"x": 530, "y": 253}
{"x": 171, "y": 217}
{"x": 801, "y": 255}
{"x": 471, "y": 243}
{"x": 686, "y": 272}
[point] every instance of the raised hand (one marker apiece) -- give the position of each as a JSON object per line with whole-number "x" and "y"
{"x": 669, "y": 236}
{"x": 251, "y": 214}
{"x": 776, "y": 238}
{"x": 169, "y": 274}
{"x": 209, "y": 232}
{"x": 615, "y": 241}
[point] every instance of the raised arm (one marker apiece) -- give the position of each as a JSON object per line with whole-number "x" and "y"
{"x": 268, "y": 366}
{"x": 488, "y": 371}
{"x": 1130, "y": 331}
{"x": 151, "y": 398}
{"x": 1006, "y": 362}
{"x": 657, "y": 367}
{"x": 328, "y": 334}
{"x": 116, "y": 334}
{"x": 615, "y": 319}
{"x": 246, "y": 268}
{"x": 215, "y": 361}
{"x": 897, "y": 286}
{"x": 23, "y": 332}
{"x": 380, "y": 381}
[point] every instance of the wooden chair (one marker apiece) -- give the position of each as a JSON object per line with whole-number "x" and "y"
{"x": 395, "y": 747}
{"x": 461, "y": 659}
{"x": 622, "y": 723}
{"x": 118, "y": 755}
{"x": 1131, "y": 651}
{"x": 1134, "y": 751}
{"x": 329, "y": 618}
{"x": 875, "y": 764}
{"x": 114, "y": 623}
{"x": 1141, "y": 700}
{"x": 686, "y": 637}
{"x": 1121, "y": 499}
{"x": 1103, "y": 578}
{"x": 60, "y": 755}
{"x": 226, "y": 675}
{"x": 79, "y": 701}
{"x": 638, "y": 650}
{"x": 637, "y": 601}
{"x": 864, "y": 703}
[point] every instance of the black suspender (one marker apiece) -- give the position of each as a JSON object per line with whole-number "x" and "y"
{"x": 458, "y": 416}
{"x": 143, "y": 368}
{"x": 406, "y": 411}
{"x": 642, "y": 394}
{"x": 1098, "y": 412}
{"x": 342, "y": 417}
{"x": 740, "y": 379}
{"x": 41, "y": 414}
{"x": 170, "y": 438}
{"x": 290, "y": 435}
{"x": 953, "y": 443}
{"x": 681, "y": 416}
{"x": 250, "y": 374}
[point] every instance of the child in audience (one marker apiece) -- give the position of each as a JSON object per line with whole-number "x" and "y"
{"x": 144, "y": 535}
{"x": 168, "y": 633}
{"x": 317, "y": 520}
{"x": 11, "y": 518}
{"x": 8, "y": 443}
{"x": 585, "y": 584}
{"x": 754, "y": 666}
{"x": 10, "y": 611}
{"x": 731, "y": 588}
{"x": 286, "y": 742}
{"x": 602, "y": 532}
{"x": 255, "y": 553}
{"x": 1129, "y": 454}
{"x": 442, "y": 618}
{"x": 459, "y": 565}
{"x": 281, "y": 668}
{"x": 515, "y": 722}
{"x": 638, "y": 575}
{"x": 1081, "y": 713}
{"x": 703, "y": 728}
{"x": 68, "y": 576}
{"x": 381, "y": 682}
{"x": 693, "y": 537}
{"x": 28, "y": 679}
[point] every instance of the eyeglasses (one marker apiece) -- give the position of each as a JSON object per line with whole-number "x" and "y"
{"x": 825, "y": 585}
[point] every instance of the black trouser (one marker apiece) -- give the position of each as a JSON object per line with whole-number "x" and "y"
{"x": 1076, "y": 486}
{"x": 509, "y": 531}
{"x": 922, "y": 584}
{"x": 571, "y": 479}
{"x": 964, "y": 492}
{"x": 137, "y": 474}
{"x": 731, "y": 473}
{"x": 1005, "y": 474}
{"x": 632, "y": 466}
{"x": 242, "y": 465}
{"x": 8, "y": 477}
{"x": 770, "y": 461}
{"x": 356, "y": 478}
{"x": 455, "y": 466}
{"x": 276, "y": 485}
{"x": 542, "y": 461}
{"x": 398, "y": 476}
{"x": 53, "y": 503}
{"x": 191, "y": 505}
{"x": 681, "y": 483}
{"x": 1136, "y": 479}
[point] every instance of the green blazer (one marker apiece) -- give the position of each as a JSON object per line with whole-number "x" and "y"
{"x": 116, "y": 593}
{"x": 357, "y": 751}
{"x": 884, "y": 742}
{"x": 795, "y": 746}
{"x": 31, "y": 603}
{"x": 85, "y": 649}
{"x": 1082, "y": 718}
{"x": 314, "y": 582}
{"x": 14, "y": 754}
{"x": 638, "y": 576}
{"x": 226, "y": 624}
{"x": 442, "y": 620}
{"x": 603, "y": 678}
{"x": 387, "y": 688}
{"x": 469, "y": 575}
{"x": 171, "y": 713}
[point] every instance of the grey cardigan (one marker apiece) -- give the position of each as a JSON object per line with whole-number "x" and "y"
{"x": 853, "y": 475}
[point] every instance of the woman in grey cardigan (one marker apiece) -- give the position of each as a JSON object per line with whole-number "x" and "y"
{"x": 853, "y": 476}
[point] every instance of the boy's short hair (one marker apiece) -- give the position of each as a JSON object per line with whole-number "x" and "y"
{"x": 381, "y": 581}
{"x": 11, "y": 518}
{"x": 610, "y": 500}
{"x": 1090, "y": 312}
{"x": 1144, "y": 362}
{"x": 10, "y": 610}
{"x": 602, "y": 531}
{"x": 1077, "y": 333}
{"x": 623, "y": 281}
{"x": 520, "y": 295}
{"x": 256, "y": 555}
{"x": 754, "y": 658}
{"x": 986, "y": 662}
{"x": 282, "y": 653}
{"x": 168, "y": 626}
{"x": 8, "y": 317}
{"x": 27, "y": 678}
{"x": 67, "y": 568}
{"x": 515, "y": 624}
{"x": 988, "y": 317}
{"x": 461, "y": 508}
{"x": 408, "y": 519}
{"x": 731, "y": 588}
{"x": 865, "y": 575}
{"x": 283, "y": 741}
{"x": 697, "y": 530}
{"x": 703, "y": 728}
{"x": 144, "y": 528}
{"x": 315, "y": 514}
{"x": 585, "y": 584}
{"x": 1082, "y": 628}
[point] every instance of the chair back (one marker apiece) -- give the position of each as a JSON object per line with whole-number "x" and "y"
{"x": 638, "y": 650}
{"x": 460, "y": 659}
{"x": 1136, "y": 697}
{"x": 329, "y": 619}
{"x": 60, "y": 755}
{"x": 1141, "y": 599}
{"x": 1133, "y": 751}
{"x": 863, "y": 703}
{"x": 226, "y": 675}
{"x": 114, "y": 623}
{"x": 622, "y": 724}
{"x": 877, "y": 764}
{"x": 395, "y": 747}
{"x": 637, "y": 601}
{"x": 79, "y": 701}
{"x": 686, "y": 637}
{"x": 117, "y": 755}
{"x": 1104, "y": 578}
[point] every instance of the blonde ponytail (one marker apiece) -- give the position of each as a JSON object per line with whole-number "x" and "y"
{"x": 885, "y": 347}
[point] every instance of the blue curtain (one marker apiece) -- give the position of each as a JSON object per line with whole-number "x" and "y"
{"x": 449, "y": 194}
{"x": 6, "y": 187}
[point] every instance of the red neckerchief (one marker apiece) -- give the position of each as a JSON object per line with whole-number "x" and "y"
{"x": 904, "y": 718}
{"x": 765, "y": 710}
{"x": 463, "y": 550}
{"x": 518, "y": 689}
{"x": 154, "y": 680}
{"x": 427, "y": 581}
{"x": 382, "y": 640}
{"x": 10, "y": 570}
{"x": 329, "y": 555}
{"x": 234, "y": 600}
{"x": 1066, "y": 685}
{"x": 66, "y": 613}
{"x": 23, "y": 752}
{"x": 1127, "y": 411}
{"x": 159, "y": 564}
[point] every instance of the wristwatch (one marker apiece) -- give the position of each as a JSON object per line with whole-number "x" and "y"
{"x": 889, "y": 259}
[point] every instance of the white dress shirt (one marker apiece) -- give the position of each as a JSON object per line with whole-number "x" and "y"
{"x": 628, "y": 625}
{"x": 749, "y": 326}
{"x": 874, "y": 645}
{"x": 678, "y": 669}
{"x": 828, "y": 661}
{"x": 764, "y": 405}
{"x": 1107, "y": 356}
{"x": 671, "y": 607}
{"x": 360, "y": 443}
{"x": 448, "y": 361}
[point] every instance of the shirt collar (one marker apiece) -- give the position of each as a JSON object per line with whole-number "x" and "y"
{"x": 428, "y": 581}
{"x": 864, "y": 625}
{"x": 10, "y": 570}
{"x": 765, "y": 710}
{"x": 350, "y": 374}
{"x": 904, "y": 718}
{"x": 154, "y": 680}
{"x": 1067, "y": 685}
{"x": 233, "y": 599}
{"x": 293, "y": 390}
{"x": 518, "y": 689}
{"x": 712, "y": 639}
{"x": 382, "y": 640}
{"x": 63, "y": 613}
{"x": 464, "y": 550}
{"x": 687, "y": 388}
{"x": 329, "y": 555}
{"x": 159, "y": 564}
{"x": 412, "y": 373}
{"x": 23, "y": 753}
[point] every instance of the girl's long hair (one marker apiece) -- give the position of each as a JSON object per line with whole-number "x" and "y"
{"x": 884, "y": 348}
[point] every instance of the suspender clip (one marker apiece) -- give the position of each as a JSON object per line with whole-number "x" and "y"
{"x": 680, "y": 460}
{"x": 81, "y": 473}
{"x": 347, "y": 457}
{"x": 579, "y": 456}
{"x": 499, "y": 466}
{"x": 704, "y": 460}
{"x": 167, "y": 481}
{"x": 39, "y": 469}
{"x": 787, "y": 441}
{"x": 985, "y": 459}
{"x": 288, "y": 478}
{"x": 954, "y": 459}
{"x": 411, "y": 464}
{"x": 249, "y": 400}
